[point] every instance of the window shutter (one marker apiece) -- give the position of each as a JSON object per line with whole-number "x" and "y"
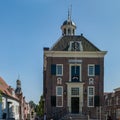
{"x": 53, "y": 69}
{"x": 97, "y": 69}
{"x": 53, "y": 101}
{"x": 96, "y": 101}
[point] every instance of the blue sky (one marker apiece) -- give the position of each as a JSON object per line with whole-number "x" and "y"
{"x": 26, "y": 26}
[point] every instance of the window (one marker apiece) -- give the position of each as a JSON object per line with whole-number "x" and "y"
{"x": 74, "y": 91}
{"x": 59, "y": 69}
{"x": 64, "y": 31}
{"x": 91, "y": 92}
{"x": 17, "y": 109}
{"x": 75, "y": 73}
{"x": 75, "y": 45}
{"x": 91, "y": 101}
{"x": 117, "y": 99}
{"x": 59, "y": 90}
{"x": 59, "y": 101}
{"x": 69, "y": 31}
{"x": 59, "y": 96}
{"x": 91, "y": 96}
{"x": 91, "y": 70}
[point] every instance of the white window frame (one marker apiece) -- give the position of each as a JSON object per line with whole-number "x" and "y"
{"x": 75, "y": 91}
{"x": 80, "y": 46}
{"x": 57, "y": 95}
{"x": 57, "y": 90}
{"x": 80, "y": 76}
{"x": 89, "y": 65}
{"x": 90, "y": 95}
{"x": 57, "y": 73}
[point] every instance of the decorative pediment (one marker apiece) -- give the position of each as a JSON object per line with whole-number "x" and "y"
{"x": 72, "y": 43}
{"x": 75, "y": 46}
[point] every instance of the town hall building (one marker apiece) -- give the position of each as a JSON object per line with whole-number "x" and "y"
{"x": 73, "y": 74}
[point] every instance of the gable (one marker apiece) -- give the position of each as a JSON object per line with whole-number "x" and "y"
{"x": 64, "y": 43}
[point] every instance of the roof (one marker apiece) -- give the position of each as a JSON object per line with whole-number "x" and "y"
{"x": 64, "y": 42}
{"x": 5, "y": 89}
{"x": 67, "y": 22}
{"x": 117, "y": 89}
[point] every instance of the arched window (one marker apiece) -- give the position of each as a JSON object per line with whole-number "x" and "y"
{"x": 69, "y": 31}
{"x": 64, "y": 31}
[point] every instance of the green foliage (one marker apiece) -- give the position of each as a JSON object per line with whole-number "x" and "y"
{"x": 40, "y": 107}
{"x": 32, "y": 104}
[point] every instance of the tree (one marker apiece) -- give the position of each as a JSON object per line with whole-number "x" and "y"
{"x": 40, "y": 107}
{"x": 32, "y": 104}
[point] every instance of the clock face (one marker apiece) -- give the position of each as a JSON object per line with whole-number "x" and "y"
{"x": 75, "y": 46}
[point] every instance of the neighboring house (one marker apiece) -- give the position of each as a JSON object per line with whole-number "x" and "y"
{"x": 12, "y": 102}
{"x": 73, "y": 75}
{"x": 24, "y": 106}
{"x": 112, "y": 104}
{"x": 19, "y": 94}
{"x": 9, "y": 105}
{"x": 27, "y": 109}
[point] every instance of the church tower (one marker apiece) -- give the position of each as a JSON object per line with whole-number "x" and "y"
{"x": 18, "y": 87}
{"x": 73, "y": 75}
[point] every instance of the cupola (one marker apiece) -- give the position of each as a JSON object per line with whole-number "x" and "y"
{"x": 18, "y": 87}
{"x": 68, "y": 27}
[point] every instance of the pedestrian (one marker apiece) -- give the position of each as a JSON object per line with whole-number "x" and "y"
{"x": 45, "y": 116}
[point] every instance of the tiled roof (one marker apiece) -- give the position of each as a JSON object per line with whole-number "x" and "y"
{"x": 63, "y": 43}
{"x": 5, "y": 89}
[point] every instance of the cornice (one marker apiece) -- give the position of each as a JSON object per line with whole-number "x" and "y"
{"x": 83, "y": 54}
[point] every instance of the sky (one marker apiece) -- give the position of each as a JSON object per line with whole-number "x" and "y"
{"x": 27, "y": 26}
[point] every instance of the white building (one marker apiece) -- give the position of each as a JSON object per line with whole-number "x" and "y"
{"x": 9, "y": 102}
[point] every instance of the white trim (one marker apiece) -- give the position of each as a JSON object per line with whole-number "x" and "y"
{"x": 85, "y": 54}
{"x": 70, "y": 65}
{"x": 93, "y": 69}
{"x": 91, "y": 81}
{"x": 80, "y": 86}
{"x": 59, "y": 81}
{"x": 59, "y": 95}
{"x": 57, "y": 90}
{"x": 62, "y": 69}
{"x": 90, "y": 95}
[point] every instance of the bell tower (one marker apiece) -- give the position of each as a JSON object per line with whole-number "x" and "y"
{"x": 68, "y": 27}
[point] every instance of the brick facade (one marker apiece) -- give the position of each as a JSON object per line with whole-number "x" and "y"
{"x": 74, "y": 90}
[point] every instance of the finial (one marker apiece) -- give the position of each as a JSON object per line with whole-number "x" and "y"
{"x": 18, "y": 76}
{"x": 69, "y": 13}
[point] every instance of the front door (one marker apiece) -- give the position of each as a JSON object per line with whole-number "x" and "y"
{"x": 75, "y": 104}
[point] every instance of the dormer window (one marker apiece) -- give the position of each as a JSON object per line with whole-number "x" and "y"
{"x": 75, "y": 46}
